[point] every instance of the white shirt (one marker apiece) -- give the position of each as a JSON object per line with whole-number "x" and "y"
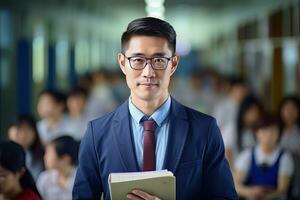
{"x": 50, "y": 189}
{"x": 243, "y": 162}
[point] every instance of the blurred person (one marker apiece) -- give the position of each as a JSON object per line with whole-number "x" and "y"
{"x": 101, "y": 100}
{"x": 226, "y": 109}
{"x": 240, "y": 134}
{"x": 76, "y": 117}
{"x": 184, "y": 141}
{"x": 264, "y": 171}
{"x": 226, "y": 112}
{"x": 249, "y": 113}
{"x": 51, "y": 108}
{"x": 210, "y": 91}
{"x": 188, "y": 91}
{"x": 28, "y": 137}
{"x": 289, "y": 112}
{"x": 60, "y": 161}
{"x": 16, "y": 182}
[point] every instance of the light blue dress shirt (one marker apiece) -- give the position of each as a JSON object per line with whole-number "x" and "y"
{"x": 161, "y": 117}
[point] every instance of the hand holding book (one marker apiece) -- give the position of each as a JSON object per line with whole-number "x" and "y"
{"x": 152, "y": 185}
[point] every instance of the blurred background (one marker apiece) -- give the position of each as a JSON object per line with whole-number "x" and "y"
{"x": 58, "y": 65}
{"x": 52, "y": 43}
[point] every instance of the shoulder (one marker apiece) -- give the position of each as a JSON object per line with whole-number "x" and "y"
{"x": 103, "y": 121}
{"x": 101, "y": 127}
{"x": 286, "y": 165}
{"x": 107, "y": 119}
{"x": 242, "y": 163}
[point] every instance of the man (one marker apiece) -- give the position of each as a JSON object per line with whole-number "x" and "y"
{"x": 187, "y": 142}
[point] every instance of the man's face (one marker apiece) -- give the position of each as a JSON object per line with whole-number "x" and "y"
{"x": 148, "y": 84}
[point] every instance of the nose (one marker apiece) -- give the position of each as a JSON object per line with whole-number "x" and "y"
{"x": 148, "y": 71}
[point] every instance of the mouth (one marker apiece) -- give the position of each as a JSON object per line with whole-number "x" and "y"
{"x": 147, "y": 84}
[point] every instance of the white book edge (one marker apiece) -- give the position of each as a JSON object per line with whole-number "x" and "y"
{"x": 132, "y": 176}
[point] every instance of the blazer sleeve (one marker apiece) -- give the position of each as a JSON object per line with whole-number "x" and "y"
{"x": 218, "y": 179}
{"x": 87, "y": 183}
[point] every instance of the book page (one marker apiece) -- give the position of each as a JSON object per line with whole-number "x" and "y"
{"x": 130, "y": 176}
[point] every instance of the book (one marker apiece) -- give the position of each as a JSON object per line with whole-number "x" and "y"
{"x": 158, "y": 183}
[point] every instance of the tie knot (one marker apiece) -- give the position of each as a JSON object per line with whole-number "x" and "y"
{"x": 149, "y": 125}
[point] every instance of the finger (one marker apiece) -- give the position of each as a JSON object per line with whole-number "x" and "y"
{"x": 142, "y": 194}
{"x": 132, "y": 196}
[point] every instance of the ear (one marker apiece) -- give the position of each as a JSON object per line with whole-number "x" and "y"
{"x": 122, "y": 60}
{"x": 174, "y": 63}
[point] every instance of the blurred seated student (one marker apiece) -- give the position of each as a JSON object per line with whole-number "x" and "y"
{"x": 76, "y": 118}
{"x": 289, "y": 112}
{"x": 240, "y": 135}
{"x": 60, "y": 161}
{"x": 27, "y": 136}
{"x": 264, "y": 171}
{"x": 16, "y": 182}
{"x": 51, "y": 107}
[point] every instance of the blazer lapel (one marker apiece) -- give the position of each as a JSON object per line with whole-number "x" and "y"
{"x": 177, "y": 136}
{"x": 123, "y": 138}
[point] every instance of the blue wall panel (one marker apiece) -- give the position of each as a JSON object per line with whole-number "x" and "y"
{"x": 24, "y": 76}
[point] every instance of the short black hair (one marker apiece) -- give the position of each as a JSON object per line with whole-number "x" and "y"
{"x": 267, "y": 120}
{"x": 150, "y": 26}
{"x": 58, "y": 96}
{"x": 66, "y": 145}
{"x": 78, "y": 92}
{"x": 236, "y": 81}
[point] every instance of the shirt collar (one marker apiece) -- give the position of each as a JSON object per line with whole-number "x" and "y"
{"x": 158, "y": 116}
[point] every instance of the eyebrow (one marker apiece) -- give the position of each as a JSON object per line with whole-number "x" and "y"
{"x": 153, "y": 55}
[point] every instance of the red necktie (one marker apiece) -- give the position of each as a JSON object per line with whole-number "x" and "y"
{"x": 149, "y": 145}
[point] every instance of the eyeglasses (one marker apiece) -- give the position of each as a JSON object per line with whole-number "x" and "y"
{"x": 139, "y": 63}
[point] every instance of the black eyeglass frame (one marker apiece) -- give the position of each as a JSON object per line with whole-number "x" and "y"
{"x": 128, "y": 58}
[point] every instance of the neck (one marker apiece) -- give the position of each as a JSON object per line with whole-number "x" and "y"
{"x": 267, "y": 150}
{"x": 75, "y": 115}
{"x": 66, "y": 171}
{"x": 53, "y": 120}
{"x": 64, "y": 175}
{"x": 149, "y": 107}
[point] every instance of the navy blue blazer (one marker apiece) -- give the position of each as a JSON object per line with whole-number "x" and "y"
{"x": 195, "y": 154}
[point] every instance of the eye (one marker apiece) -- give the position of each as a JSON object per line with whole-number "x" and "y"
{"x": 159, "y": 60}
{"x": 138, "y": 60}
